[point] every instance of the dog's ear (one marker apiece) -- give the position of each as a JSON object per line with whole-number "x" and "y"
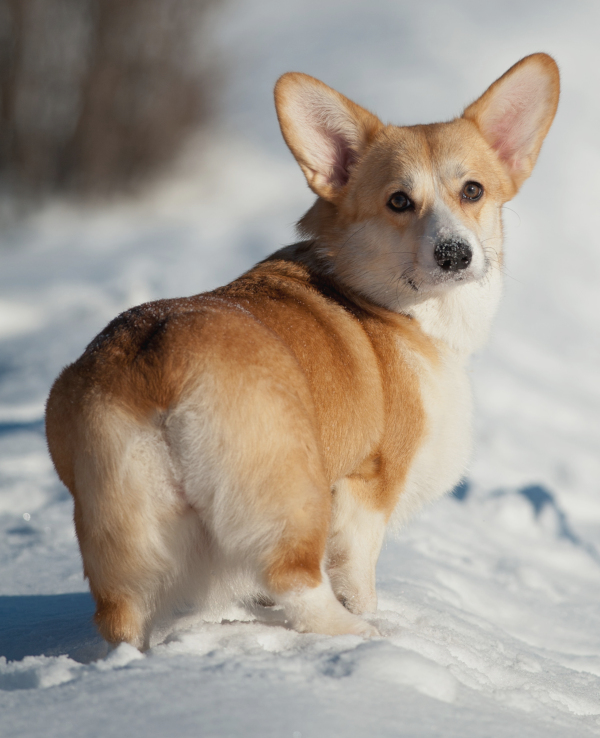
{"x": 515, "y": 113}
{"x": 325, "y": 131}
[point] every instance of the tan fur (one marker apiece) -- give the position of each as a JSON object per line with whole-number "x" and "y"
{"x": 269, "y": 427}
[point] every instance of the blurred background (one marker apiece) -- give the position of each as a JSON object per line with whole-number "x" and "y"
{"x": 97, "y": 94}
{"x": 140, "y": 157}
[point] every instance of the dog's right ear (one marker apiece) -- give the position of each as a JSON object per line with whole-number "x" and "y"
{"x": 515, "y": 113}
{"x": 325, "y": 131}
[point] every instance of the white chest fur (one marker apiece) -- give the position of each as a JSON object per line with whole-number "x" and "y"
{"x": 444, "y": 453}
{"x": 459, "y": 322}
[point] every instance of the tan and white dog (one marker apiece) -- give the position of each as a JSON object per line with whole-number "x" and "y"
{"x": 256, "y": 441}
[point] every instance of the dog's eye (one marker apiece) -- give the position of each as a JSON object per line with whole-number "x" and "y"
{"x": 399, "y": 202}
{"x": 472, "y": 191}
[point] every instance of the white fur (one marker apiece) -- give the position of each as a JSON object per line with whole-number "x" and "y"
{"x": 442, "y": 457}
{"x": 462, "y": 317}
{"x": 355, "y": 540}
{"x": 317, "y": 610}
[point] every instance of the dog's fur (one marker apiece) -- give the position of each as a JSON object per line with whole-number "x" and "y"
{"x": 257, "y": 440}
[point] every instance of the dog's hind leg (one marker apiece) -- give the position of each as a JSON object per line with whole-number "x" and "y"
{"x": 135, "y": 533}
{"x": 357, "y": 532}
{"x": 252, "y": 468}
{"x": 295, "y": 571}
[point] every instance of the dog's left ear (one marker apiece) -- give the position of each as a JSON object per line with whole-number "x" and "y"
{"x": 516, "y": 112}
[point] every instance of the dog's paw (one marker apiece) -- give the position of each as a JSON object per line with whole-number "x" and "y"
{"x": 358, "y": 602}
{"x": 367, "y": 630}
{"x": 316, "y": 610}
{"x": 345, "y": 623}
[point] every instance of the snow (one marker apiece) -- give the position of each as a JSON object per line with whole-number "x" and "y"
{"x": 489, "y": 602}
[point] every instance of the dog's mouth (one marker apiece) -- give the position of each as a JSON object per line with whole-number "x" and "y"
{"x": 442, "y": 279}
{"x": 453, "y": 277}
{"x": 433, "y": 280}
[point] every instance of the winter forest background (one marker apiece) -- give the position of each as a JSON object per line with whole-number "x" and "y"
{"x": 140, "y": 158}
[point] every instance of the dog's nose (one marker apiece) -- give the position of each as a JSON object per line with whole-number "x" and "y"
{"x": 452, "y": 255}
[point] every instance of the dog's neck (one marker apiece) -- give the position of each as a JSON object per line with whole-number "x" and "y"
{"x": 462, "y": 316}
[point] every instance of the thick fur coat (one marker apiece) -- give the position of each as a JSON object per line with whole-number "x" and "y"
{"x": 255, "y": 441}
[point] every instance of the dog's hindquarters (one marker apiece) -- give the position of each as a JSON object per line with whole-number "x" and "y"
{"x": 226, "y": 480}
{"x": 247, "y": 451}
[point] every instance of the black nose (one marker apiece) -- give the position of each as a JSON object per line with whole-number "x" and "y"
{"x": 453, "y": 255}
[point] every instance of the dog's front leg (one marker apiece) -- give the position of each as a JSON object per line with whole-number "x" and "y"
{"x": 357, "y": 532}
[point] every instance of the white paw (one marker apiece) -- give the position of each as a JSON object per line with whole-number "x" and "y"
{"x": 358, "y": 603}
{"x": 342, "y": 622}
{"x": 317, "y": 610}
{"x": 366, "y": 630}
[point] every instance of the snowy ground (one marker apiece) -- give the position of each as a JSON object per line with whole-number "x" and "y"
{"x": 490, "y": 601}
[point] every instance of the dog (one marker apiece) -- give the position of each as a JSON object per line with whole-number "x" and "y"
{"x": 255, "y": 442}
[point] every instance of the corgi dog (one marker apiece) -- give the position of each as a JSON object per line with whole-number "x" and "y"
{"x": 254, "y": 442}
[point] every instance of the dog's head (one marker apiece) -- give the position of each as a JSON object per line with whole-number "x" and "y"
{"x": 405, "y": 213}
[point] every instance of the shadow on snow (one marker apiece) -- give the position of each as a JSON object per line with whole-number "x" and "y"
{"x": 540, "y": 499}
{"x": 49, "y": 625}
